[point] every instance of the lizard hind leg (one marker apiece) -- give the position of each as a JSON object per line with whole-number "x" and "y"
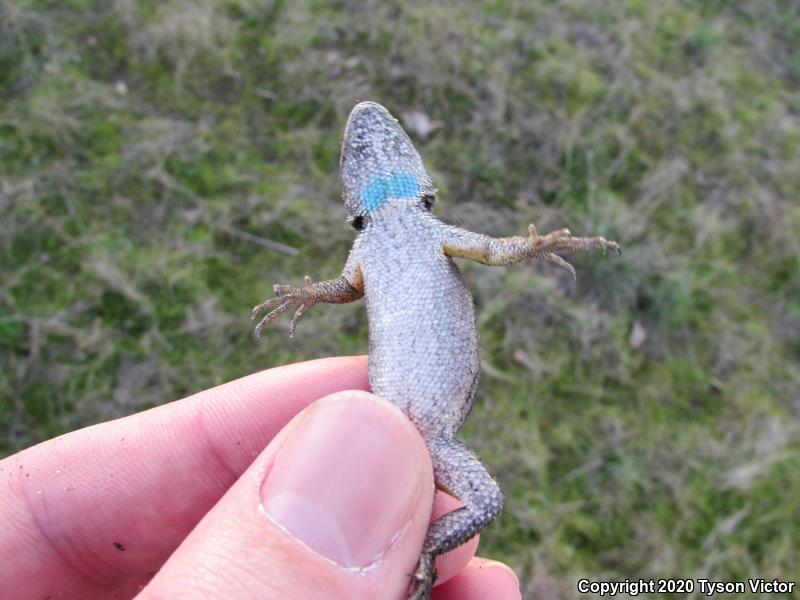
{"x": 458, "y": 470}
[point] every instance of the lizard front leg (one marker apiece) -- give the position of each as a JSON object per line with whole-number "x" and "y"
{"x": 503, "y": 251}
{"x": 333, "y": 291}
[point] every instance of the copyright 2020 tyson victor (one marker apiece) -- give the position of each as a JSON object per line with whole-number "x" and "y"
{"x": 707, "y": 587}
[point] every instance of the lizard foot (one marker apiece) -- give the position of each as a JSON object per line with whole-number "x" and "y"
{"x": 423, "y": 578}
{"x": 288, "y": 297}
{"x": 546, "y": 246}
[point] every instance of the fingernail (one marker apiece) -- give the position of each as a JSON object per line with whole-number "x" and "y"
{"x": 346, "y": 481}
{"x": 492, "y": 564}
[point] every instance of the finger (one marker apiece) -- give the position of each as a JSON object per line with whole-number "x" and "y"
{"x": 336, "y": 507}
{"x": 481, "y": 579}
{"x": 85, "y": 512}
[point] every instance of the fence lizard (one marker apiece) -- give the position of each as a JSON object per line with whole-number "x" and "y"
{"x": 423, "y": 339}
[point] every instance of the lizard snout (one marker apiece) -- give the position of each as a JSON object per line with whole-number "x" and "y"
{"x": 379, "y": 161}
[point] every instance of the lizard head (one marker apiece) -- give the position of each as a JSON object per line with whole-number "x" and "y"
{"x": 379, "y": 163}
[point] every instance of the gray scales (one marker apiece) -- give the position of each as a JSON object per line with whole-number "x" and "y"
{"x": 423, "y": 339}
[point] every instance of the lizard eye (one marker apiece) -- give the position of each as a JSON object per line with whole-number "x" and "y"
{"x": 428, "y": 200}
{"x": 357, "y": 222}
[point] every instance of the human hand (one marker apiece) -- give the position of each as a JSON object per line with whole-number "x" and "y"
{"x": 227, "y": 495}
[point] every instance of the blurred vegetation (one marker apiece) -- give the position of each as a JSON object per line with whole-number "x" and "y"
{"x": 163, "y": 163}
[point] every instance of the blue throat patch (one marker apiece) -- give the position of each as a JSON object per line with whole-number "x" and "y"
{"x": 397, "y": 185}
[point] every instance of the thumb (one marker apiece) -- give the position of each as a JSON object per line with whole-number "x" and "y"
{"x": 337, "y": 506}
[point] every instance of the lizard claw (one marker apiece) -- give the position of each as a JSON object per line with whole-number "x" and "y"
{"x": 560, "y": 262}
{"x": 542, "y": 241}
{"x": 336, "y": 291}
{"x": 287, "y": 304}
{"x": 547, "y": 246}
{"x": 297, "y": 316}
{"x": 264, "y": 305}
{"x": 282, "y": 290}
{"x": 288, "y": 297}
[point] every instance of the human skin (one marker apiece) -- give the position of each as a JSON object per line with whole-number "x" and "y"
{"x": 197, "y": 498}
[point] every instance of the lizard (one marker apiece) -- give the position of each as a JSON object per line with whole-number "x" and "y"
{"x": 423, "y": 337}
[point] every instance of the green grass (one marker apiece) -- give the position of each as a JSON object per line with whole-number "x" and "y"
{"x": 162, "y": 164}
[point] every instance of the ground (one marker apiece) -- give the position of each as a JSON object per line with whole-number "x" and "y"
{"x": 163, "y": 163}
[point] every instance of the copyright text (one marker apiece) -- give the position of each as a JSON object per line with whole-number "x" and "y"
{"x": 707, "y": 587}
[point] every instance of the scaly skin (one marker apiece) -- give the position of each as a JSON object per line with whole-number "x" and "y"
{"x": 423, "y": 340}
